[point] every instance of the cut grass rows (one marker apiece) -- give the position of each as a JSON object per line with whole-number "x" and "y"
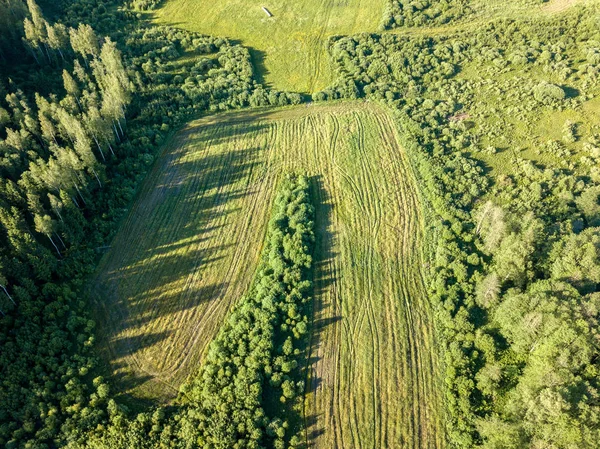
{"x": 191, "y": 244}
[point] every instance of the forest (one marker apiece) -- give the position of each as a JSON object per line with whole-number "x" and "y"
{"x": 499, "y": 114}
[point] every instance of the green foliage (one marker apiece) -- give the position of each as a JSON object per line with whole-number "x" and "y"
{"x": 577, "y": 260}
{"x": 401, "y": 13}
{"x": 513, "y": 281}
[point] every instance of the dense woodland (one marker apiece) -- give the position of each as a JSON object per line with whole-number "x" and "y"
{"x": 89, "y": 91}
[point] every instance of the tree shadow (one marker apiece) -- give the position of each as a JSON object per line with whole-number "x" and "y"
{"x": 323, "y": 314}
{"x": 153, "y": 271}
{"x": 570, "y": 92}
{"x": 257, "y": 57}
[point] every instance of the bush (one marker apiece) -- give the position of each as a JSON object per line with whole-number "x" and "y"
{"x": 548, "y": 93}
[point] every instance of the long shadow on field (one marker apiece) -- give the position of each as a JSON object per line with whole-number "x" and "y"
{"x": 239, "y": 125}
{"x": 323, "y": 313}
{"x": 153, "y": 276}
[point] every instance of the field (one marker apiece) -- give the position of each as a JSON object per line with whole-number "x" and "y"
{"x": 190, "y": 244}
{"x": 289, "y": 49}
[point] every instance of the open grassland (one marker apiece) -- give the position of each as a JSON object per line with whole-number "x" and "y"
{"x": 289, "y": 49}
{"x": 191, "y": 243}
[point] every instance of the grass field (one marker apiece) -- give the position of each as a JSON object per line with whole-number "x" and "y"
{"x": 190, "y": 245}
{"x": 289, "y": 49}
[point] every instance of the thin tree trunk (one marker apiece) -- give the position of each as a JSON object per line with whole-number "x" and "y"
{"x": 99, "y": 147}
{"x": 7, "y": 294}
{"x": 96, "y": 175}
{"x": 47, "y": 54}
{"x": 34, "y": 55}
{"x": 111, "y": 148}
{"x": 79, "y": 191}
{"x": 485, "y": 212}
{"x": 116, "y": 132}
{"x": 41, "y": 142}
{"x": 59, "y": 215}
{"x": 61, "y": 240}
{"x": 122, "y": 133}
{"x": 55, "y": 247}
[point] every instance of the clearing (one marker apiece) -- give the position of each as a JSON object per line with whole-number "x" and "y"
{"x": 191, "y": 243}
{"x": 289, "y": 49}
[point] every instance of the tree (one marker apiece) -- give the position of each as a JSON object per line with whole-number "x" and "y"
{"x": 36, "y": 29}
{"x": 577, "y": 260}
{"x": 3, "y": 283}
{"x": 589, "y": 204}
{"x": 114, "y": 84}
{"x": 46, "y": 112}
{"x": 513, "y": 260}
{"x": 488, "y": 290}
{"x": 548, "y": 93}
{"x": 58, "y": 38}
{"x": 71, "y": 87}
{"x": 45, "y": 225}
{"x": 84, "y": 41}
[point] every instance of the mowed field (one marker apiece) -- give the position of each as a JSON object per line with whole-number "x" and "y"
{"x": 191, "y": 243}
{"x": 289, "y": 49}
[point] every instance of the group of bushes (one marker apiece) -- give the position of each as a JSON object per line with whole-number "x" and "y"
{"x": 408, "y": 13}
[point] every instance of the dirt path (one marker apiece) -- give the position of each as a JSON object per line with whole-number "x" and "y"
{"x": 555, "y": 6}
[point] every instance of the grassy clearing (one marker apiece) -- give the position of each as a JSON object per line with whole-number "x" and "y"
{"x": 191, "y": 245}
{"x": 499, "y": 121}
{"x": 289, "y": 49}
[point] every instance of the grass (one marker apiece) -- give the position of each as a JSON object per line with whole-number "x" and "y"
{"x": 191, "y": 243}
{"x": 289, "y": 49}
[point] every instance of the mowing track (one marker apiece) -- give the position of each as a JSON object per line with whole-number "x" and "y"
{"x": 191, "y": 242}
